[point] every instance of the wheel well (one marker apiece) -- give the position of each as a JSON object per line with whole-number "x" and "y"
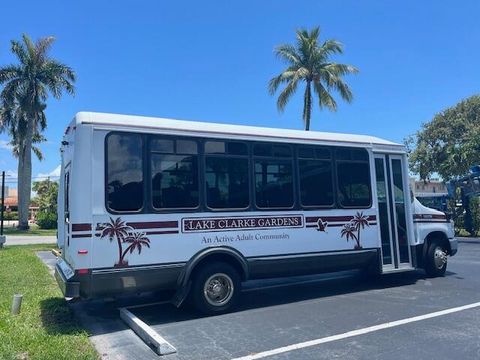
{"x": 221, "y": 257}
{"x": 439, "y": 237}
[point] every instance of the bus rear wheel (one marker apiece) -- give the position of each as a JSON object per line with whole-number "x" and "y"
{"x": 436, "y": 260}
{"x": 215, "y": 288}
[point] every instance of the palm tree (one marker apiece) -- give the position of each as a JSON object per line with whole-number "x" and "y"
{"x": 28, "y": 85}
{"x": 137, "y": 240}
{"x": 13, "y": 120}
{"x": 116, "y": 229}
{"x": 360, "y": 221}
{"x": 348, "y": 231}
{"x": 309, "y": 62}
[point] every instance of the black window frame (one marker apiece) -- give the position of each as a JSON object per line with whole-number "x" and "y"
{"x": 294, "y": 160}
{"x": 333, "y": 176}
{"x": 199, "y": 155}
{"x": 369, "y": 165}
{"x": 293, "y": 163}
{"x": 249, "y": 159}
{"x": 144, "y": 185}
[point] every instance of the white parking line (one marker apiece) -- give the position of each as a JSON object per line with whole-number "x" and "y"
{"x": 356, "y": 332}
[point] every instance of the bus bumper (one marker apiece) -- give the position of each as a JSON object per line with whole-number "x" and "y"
{"x": 453, "y": 246}
{"x": 70, "y": 289}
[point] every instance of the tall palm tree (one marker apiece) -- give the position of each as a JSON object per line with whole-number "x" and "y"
{"x": 309, "y": 62}
{"x": 28, "y": 84}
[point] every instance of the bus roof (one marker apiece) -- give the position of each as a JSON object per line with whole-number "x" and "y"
{"x": 116, "y": 121}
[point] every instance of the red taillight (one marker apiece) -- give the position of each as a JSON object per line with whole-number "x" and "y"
{"x": 83, "y": 252}
{"x": 82, "y": 271}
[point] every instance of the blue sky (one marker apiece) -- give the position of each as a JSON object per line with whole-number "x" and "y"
{"x": 212, "y": 60}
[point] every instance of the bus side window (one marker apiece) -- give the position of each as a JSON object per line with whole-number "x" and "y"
{"x": 124, "y": 172}
{"x": 174, "y": 173}
{"x": 353, "y": 178}
{"x": 273, "y": 171}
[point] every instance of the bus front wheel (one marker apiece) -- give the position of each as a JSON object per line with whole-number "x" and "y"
{"x": 436, "y": 260}
{"x": 215, "y": 288}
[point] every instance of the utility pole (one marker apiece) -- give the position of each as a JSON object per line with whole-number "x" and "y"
{"x": 2, "y": 238}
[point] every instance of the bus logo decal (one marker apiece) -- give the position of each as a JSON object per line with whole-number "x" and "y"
{"x": 352, "y": 229}
{"x": 322, "y": 225}
{"x": 241, "y": 223}
{"x": 124, "y": 234}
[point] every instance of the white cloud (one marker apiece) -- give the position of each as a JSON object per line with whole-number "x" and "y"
{"x": 5, "y": 145}
{"x": 55, "y": 173}
{"x": 11, "y": 174}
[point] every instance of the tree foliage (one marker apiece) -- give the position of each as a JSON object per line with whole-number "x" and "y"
{"x": 309, "y": 62}
{"x": 26, "y": 87}
{"x": 449, "y": 144}
{"x": 46, "y": 195}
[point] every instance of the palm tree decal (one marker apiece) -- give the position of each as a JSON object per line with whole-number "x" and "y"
{"x": 119, "y": 230}
{"x": 136, "y": 240}
{"x": 348, "y": 231}
{"x": 358, "y": 223}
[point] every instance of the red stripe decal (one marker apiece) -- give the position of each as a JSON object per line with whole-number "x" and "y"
{"x": 81, "y": 227}
{"x": 153, "y": 224}
{"x": 81, "y": 236}
{"x": 335, "y": 218}
{"x": 162, "y": 232}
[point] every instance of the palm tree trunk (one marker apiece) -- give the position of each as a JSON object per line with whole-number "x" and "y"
{"x": 307, "y": 105}
{"x": 125, "y": 253}
{"x": 25, "y": 177}
{"x": 119, "y": 243}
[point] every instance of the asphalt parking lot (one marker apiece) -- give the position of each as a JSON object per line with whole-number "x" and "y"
{"x": 281, "y": 315}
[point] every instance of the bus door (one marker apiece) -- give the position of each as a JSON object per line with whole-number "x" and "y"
{"x": 393, "y": 197}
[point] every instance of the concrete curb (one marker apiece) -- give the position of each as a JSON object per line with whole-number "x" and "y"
{"x": 147, "y": 334}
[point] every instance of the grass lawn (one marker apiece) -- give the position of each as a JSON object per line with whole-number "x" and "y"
{"x": 45, "y": 328}
{"x": 33, "y": 231}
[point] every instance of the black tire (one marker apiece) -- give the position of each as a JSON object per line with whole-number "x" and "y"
{"x": 434, "y": 267}
{"x": 218, "y": 276}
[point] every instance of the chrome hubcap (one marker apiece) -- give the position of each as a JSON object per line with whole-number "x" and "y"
{"x": 440, "y": 257}
{"x": 218, "y": 289}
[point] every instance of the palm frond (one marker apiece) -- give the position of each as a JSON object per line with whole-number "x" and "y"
{"x": 330, "y": 47}
{"x": 275, "y": 82}
{"x": 324, "y": 98}
{"x": 9, "y": 73}
{"x": 287, "y": 93}
{"x": 288, "y": 53}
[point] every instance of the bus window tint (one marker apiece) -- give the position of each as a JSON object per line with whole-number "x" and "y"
{"x": 227, "y": 182}
{"x": 174, "y": 176}
{"x": 353, "y": 184}
{"x": 124, "y": 172}
{"x": 273, "y": 177}
{"x": 316, "y": 182}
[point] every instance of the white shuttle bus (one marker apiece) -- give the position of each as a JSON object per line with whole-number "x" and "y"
{"x": 151, "y": 204}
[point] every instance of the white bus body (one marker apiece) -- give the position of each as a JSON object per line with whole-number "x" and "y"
{"x": 151, "y": 204}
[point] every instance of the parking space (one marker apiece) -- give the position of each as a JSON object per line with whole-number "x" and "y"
{"x": 280, "y": 313}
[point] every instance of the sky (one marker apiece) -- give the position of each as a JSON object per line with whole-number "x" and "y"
{"x": 211, "y": 61}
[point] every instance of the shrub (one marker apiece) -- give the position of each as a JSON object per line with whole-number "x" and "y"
{"x": 47, "y": 220}
{"x": 11, "y": 215}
